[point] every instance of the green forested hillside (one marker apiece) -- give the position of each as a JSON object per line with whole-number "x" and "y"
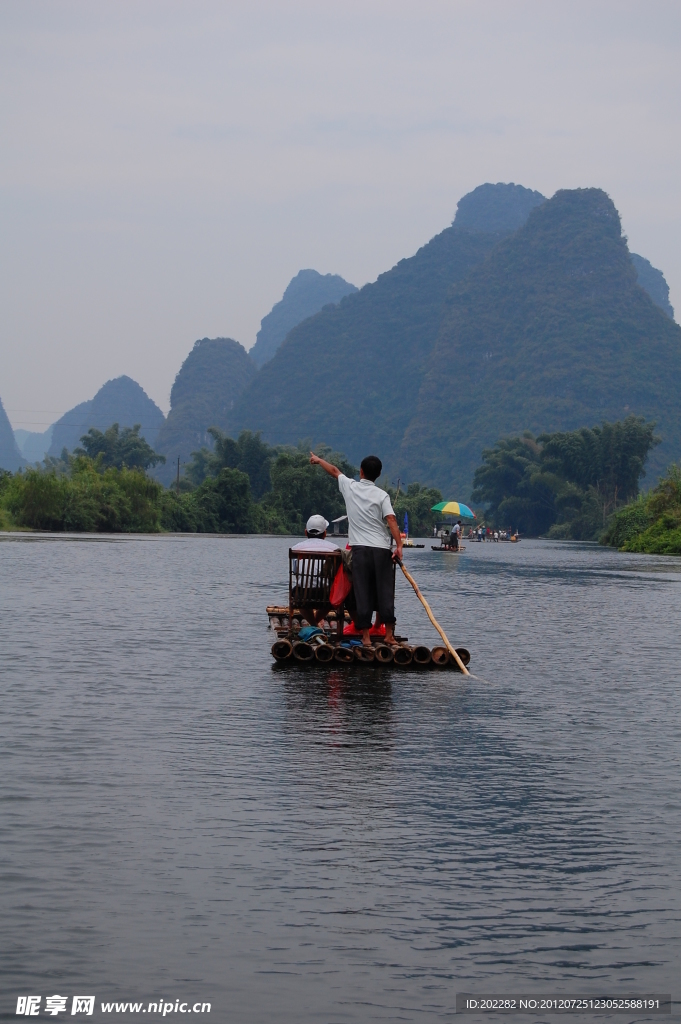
{"x": 204, "y": 393}
{"x": 552, "y": 332}
{"x": 350, "y": 376}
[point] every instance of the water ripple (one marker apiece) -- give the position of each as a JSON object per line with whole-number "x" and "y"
{"x": 181, "y": 818}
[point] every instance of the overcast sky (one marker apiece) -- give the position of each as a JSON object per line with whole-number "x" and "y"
{"x": 166, "y": 167}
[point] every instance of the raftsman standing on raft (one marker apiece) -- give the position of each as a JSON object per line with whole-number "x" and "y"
{"x": 372, "y": 525}
{"x": 323, "y": 580}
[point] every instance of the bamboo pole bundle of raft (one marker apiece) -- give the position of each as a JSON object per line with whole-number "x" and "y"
{"x": 288, "y": 648}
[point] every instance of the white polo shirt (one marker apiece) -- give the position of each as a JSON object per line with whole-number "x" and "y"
{"x": 367, "y": 506}
{"x": 315, "y": 544}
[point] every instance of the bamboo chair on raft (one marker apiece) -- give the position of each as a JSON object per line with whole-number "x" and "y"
{"x": 311, "y": 575}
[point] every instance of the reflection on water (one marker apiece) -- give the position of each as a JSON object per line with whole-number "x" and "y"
{"x": 184, "y": 819}
{"x": 343, "y": 707}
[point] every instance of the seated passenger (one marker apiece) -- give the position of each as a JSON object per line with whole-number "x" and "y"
{"x": 315, "y": 531}
{"x": 312, "y": 577}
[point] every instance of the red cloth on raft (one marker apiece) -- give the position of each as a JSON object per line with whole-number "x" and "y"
{"x": 351, "y": 630}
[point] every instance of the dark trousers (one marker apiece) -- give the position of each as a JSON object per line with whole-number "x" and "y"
{"x": 373, "y": 584}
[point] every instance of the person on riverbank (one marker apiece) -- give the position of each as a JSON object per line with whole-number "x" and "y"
{"x": 372, "y": 525}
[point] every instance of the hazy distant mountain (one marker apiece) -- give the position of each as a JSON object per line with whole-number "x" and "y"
{"x": 10, "y": 456}
{"x": 305, "y": 295}
{"x": 120, "y": 401}
{"x": 654, "y": 283}
{"x": 494, "y": 208}
{"x": 67, "y": 430}
{"x": 551, "y": 332}
{"x": 206, "y": 388}
{"x": 379, "y": 339}
{"x": 34, "y": 445}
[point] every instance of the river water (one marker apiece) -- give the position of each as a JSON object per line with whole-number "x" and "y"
{"x": 181, "y": 820}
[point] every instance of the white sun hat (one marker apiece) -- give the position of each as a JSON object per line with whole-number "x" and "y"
{"x": 316, "y": 525}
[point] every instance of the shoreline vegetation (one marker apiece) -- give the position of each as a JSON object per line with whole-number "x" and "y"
{"x": 652, "y": 524}
{"x": 242, "y": 486}
{"x": 583, "y": 485}
{"x": 576, "y": 485}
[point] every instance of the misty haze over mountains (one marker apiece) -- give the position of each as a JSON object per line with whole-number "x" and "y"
{"x": 525, "y": 313}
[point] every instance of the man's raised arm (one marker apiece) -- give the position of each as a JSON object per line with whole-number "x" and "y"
{"x": 333, "y": 471}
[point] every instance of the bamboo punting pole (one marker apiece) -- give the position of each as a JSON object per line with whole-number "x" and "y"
{"x": 432, "y": 618}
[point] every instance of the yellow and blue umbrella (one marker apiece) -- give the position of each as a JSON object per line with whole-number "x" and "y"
{"x": 454, "y": 508}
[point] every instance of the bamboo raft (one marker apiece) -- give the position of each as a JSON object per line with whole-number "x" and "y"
{"x": 311, "y": 576}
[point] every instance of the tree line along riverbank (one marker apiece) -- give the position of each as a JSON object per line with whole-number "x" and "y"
{"x": 583, "y": 485}
{"x": 240, "y": 486}
{"x": 652, "y": 523}
{"x": 580, "y": 485}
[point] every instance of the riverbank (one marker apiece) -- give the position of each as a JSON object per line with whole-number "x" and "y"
{"x": 651, "y": 524}
{"x": 83, "y": 494}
